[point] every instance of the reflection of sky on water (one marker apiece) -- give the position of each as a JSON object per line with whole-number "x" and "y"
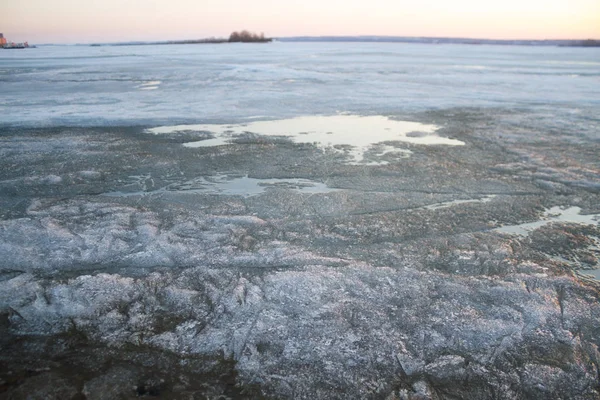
{"x": 561, "y": 215}
{"x": 595, "y": 273}
{"x": 555, "y": 214}
{"x": 227, "y": 185}
{"x": 360, "y": 132}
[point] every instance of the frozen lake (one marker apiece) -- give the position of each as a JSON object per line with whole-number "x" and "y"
{"x": 300, "y": 220}
{"x": 153, "y": 85}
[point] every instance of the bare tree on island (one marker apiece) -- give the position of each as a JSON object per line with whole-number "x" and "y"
{"x": 248, "y": 37}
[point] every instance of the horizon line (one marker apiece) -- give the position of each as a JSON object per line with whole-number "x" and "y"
{"x": 363, "y": 36}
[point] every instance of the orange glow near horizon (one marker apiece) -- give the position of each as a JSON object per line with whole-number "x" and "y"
{"x": 63, "y": 21}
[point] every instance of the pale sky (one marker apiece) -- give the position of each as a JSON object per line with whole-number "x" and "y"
{"x": 82, "y": 21}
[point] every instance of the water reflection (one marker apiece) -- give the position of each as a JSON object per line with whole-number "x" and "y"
{"x": 231, "y": 186}
{"x": 554, "y": 214}
{"x": 359, "y": 132}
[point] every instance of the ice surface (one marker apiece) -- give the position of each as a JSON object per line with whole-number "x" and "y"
{"x": 83, "y": 85}
{"x": 307, "y": 275}
{"x": 80, "y": 235}
{"x": 360, "y": 132}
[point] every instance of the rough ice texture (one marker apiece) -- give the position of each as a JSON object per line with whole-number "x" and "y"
{"x": 396, "y": 285}
{"x": 356, "y": 329}
{"x": 80, "y": 235}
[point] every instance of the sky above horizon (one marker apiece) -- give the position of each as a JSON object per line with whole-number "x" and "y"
{"x": 84, "y": 21}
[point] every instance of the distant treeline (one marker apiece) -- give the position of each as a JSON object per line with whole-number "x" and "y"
{"x": 191, "y": 41}
{"x": 239, "y": 37}
{"x": 248, "y": 37}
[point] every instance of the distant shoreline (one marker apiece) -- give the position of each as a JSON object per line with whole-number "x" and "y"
{"x": 444, "y": 40}
{"x": 201, "y": 41}
{"x": 235, "y": 37}
{"x": 162, "y": 43}
{"x": 372, "y": 39}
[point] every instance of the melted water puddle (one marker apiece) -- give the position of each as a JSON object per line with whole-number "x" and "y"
{"x": 564, "y": 215}
{"x": 245, "y": 186}
{"x": 554, "y": 214}
{"x": 237, "y": 186}
{"x": 362, "y": 133}
{"x": 452, "y": 203}
{"x": 593, "y": 273}
{"x": 149, "y": 85}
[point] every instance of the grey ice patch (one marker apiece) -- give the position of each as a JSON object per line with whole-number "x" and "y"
{"x": 416, "y": 134}
{"x": 51, "y": 180}
{"x": 91, "y": 175}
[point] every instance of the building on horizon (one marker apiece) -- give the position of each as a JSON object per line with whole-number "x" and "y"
{"x": 2, "y": 40}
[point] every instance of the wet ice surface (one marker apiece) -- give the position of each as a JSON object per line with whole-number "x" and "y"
{"x": 554, "y": 214}
{"x": 286, "y": 260}
{"x": 359, "y": 132}
{"x": 593, "y": 272}
{"x": 231, "y": 186}
{"x": 453, "y": 203}
{"x": 263, "y": 264}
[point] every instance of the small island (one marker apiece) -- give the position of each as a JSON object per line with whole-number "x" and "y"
{"x": 248, "y": 37}
{"x": 235, "y": 37}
